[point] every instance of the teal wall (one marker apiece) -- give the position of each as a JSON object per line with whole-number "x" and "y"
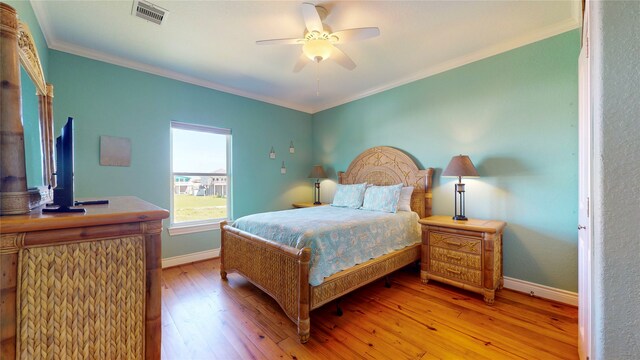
{"x": 30, "y": 115}
{"x": 32, "y": 135}
{"x": 110, "y": 100}
{"x": 516, "y": 116}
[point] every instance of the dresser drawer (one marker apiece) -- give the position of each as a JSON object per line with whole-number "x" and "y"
{"x": 455, "y": 242}
{"x": 460, "y": 273}
{"x": 455, "y": 257}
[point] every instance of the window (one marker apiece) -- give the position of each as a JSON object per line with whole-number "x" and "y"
{"x": 200, "y": 159}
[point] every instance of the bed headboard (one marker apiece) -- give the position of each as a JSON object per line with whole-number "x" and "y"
{"x": 383, "y": 165}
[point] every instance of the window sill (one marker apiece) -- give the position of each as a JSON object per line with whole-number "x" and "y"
{"x": 192, "y": 228}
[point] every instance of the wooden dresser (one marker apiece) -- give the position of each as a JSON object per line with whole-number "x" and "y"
{"x": 467, "y": 254}
{"x": 80, "y": 286}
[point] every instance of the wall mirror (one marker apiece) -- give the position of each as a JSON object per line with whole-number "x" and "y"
{"x": 37, "y": 120}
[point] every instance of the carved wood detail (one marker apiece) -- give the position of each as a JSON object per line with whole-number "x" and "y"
{"x": 11, "y": 243}
{"x": 455, "y": 242}
{"x": 383, "y": 165}
{"x": 29, "y": 58}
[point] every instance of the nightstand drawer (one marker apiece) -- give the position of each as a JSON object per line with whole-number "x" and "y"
{"x": 455, "y": 242}
{"x": 473, "y": 277}
{"x": 456, "y": 257}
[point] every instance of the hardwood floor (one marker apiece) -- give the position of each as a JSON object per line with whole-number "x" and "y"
{"x": 206, "y": 318}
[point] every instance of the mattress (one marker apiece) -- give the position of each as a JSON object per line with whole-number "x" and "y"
{"x": 339, "y": 238}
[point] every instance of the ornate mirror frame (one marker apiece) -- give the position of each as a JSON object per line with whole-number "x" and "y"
{"x": 18, "y": 48}
{"x": 30, "y": 61}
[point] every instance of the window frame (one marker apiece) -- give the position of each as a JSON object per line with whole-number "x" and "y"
{"x": 188, "y": 227}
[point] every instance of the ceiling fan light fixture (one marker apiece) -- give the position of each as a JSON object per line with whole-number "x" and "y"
{"x": 318, "y": 40}
{"x": 317, "y": 48}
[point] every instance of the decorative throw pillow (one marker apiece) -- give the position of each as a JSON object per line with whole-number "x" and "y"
{"x": 350, "y": 196}
{"x": 404, "y": 204}
{"x": 382, "y": 198}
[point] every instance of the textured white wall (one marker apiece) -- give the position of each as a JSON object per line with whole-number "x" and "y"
{"x": 615, "y": 53}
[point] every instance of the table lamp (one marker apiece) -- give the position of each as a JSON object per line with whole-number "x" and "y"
{"x": 460, "y": 166}
{"x": 317, "y": 172}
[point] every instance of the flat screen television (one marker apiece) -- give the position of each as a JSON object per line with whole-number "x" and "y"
{"x": 63, "y": 192}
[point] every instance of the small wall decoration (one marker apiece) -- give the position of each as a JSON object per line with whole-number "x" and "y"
{"x": 272, "y": 153}
{"x": 115, "y": 151}
{"x": 291, "y": 148}
{"x": 283, "y": 169}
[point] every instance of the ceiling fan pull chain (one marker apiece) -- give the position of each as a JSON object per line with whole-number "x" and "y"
{"x": 318, "y": 78}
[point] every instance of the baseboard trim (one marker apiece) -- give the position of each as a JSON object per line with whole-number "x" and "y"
{"x": 547, "y": 292}
{"x": 189, "y": 258}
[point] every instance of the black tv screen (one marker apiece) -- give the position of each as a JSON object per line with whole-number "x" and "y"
{"x": 63, "y": 192}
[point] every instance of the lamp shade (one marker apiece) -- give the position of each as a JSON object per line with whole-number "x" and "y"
{"x": 317, "y": 172}
{"x": 460, "y": 166}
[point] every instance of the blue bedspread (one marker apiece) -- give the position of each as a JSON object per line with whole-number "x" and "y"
{"x": 339, "y": 238}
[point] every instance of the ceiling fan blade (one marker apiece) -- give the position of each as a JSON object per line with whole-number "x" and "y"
{"x": 341, "y": 58}
{"x": 303, "y": 60}
{"x": 355, "y": 34}
{"x": 311, "y": 18}
{"x": 280, "y": 42}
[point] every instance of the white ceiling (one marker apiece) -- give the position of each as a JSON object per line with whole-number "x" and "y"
{"x": 212, "y": 43}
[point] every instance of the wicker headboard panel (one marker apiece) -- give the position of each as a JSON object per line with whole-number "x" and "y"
{"x": 383, "y": 165}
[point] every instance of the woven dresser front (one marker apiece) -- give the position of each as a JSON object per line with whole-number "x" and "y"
{"x": 82, "y": 300}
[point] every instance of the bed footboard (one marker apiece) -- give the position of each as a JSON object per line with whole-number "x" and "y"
{"x": 279, "y": 270}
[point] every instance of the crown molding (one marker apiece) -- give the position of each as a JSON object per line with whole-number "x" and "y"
{"x": 527, "y": 39}
{"x": 43, "y": 21}
{"x": 135, "y": 65}
{"x": 55, "y": 44}
{"x": 540, "y": 34}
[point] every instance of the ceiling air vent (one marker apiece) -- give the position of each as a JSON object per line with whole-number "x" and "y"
{"x": 148, "y": 11}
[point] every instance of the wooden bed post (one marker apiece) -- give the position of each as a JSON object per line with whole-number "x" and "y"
{"x": 428, "y": 196}
{"x": 223, "y": 274}
{"x": 304, "y": 321}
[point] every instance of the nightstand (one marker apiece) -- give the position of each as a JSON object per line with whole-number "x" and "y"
{"x": 466, "y": 254}
{"x": 306, "y": 204}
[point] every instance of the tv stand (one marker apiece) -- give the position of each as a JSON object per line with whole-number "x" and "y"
{"x": 63, "y": 209}
{"x": 91, "y": 202}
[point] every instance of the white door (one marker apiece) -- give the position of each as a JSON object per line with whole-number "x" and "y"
{"x": 584, "y": 193}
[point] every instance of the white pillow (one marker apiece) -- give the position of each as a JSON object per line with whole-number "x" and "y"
{"x": 404, "y": 204}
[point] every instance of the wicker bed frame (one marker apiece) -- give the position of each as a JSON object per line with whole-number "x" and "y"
{"x": 283, "y": 271}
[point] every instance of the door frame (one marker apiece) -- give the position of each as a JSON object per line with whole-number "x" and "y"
{"x": 585, "y": 235}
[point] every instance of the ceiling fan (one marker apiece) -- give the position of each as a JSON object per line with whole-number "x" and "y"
{"x": 318, "y": 42}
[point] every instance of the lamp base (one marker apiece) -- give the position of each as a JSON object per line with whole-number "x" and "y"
{"x": 317, "y": 193}
{"x": 460, "y": 217}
